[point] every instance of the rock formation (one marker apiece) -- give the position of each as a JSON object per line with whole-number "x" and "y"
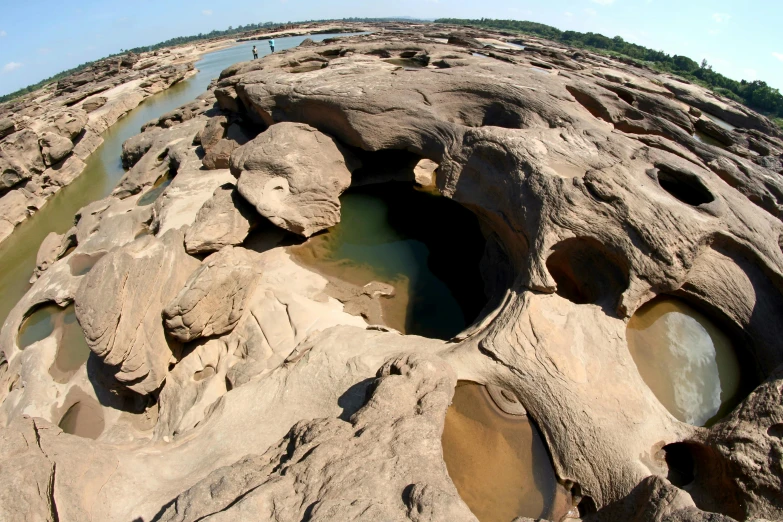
{"x": 234, "y": 386}
{"x": 42, "y": 129}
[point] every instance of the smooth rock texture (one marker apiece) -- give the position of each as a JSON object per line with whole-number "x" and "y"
{"x": 293, "y": 175}
{"x": 119, "y": 305}
{"x": 224, "y": 219}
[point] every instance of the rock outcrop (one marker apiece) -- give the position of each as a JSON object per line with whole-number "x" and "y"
{"x": 43, "y": 128}
{"x": 293, "y": 175}
{"x": 235, "y": 386}
{"x": 119, "y": 304}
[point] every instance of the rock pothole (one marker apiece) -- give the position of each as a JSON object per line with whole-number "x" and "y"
{"x": 684, "y": 186}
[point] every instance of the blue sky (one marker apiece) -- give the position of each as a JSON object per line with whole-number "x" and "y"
{"x": 39, "y": 38}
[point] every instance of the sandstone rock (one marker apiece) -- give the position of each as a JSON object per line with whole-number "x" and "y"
{"x": 214, "y": 297}
{"x": 296, "y": 191}
{"x": 214, "y": 131}
{"x": 96, "y": 102}
{"x": 119, "y": 305}
{"x": 20, "y": 157}
{"x": 26, "y": 475}
{"x": 594, "y": 197}
{"x": 414, "y": 391}
{"x": 465, "y": 41}
{"x": 64, "y": 172}
{"x": 54, "y": 147}
{"x": 425, "y": 173}
{"x": 52, "y": 248}
{"x": 70, "y": 124}
{"x": 225, "y": 219}
{"x": 7, "y": 126}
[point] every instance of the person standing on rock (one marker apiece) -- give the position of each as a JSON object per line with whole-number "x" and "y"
{"x": 272, "y": 44}
{"x": 255, "y": 52}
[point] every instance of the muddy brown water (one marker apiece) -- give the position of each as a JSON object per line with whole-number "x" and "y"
{"x": 498, "y": 462}
{"x": 686, "y": 360}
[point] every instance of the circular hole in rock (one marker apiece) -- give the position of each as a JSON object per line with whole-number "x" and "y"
{"x": 83, "y": 419}
{"x": 775, "y": 430}
{"x": 38, "y": 325}
{"x": 82, "y": 263}
{"x": 682, "y": 467}
{"x": 684, "y": 186}
{"x": 497, "y": 461}
{"x": 425, "y": 246}
{"x": 206, "y": 373}
{"x": 587, "y": 272}
{"x": 686, "y": 360}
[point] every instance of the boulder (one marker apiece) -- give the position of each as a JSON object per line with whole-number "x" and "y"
{"x": 294, "y": 174}
{"x": 96, "y": 102}
{"x": 54, "y": 147}
{"x": 214, "y": 297}
{"x": 7, "y": 126}
{"x": 119, "y": 305}
{"x": 218, "y": 153}
{"x": 225, "y": 219}
{"x": 70, "y": 123}
{"x": 20, "y": 157}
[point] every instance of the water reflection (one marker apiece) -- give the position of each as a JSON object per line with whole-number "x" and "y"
{"x": 688, "y": 363}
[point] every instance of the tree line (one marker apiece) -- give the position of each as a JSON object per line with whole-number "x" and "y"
{"x": 756, "y": 94}
{"x": 181, "y": 40}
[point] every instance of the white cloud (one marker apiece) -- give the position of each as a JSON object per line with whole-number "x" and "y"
{"x": 591, "y": 12}
{"x": 11, "y": 66}
{"x": 3, "y": 33}
{"x": 721, "y": 17}
{"x": 207, "y": 12}
{"x": 779, "y": 56}
{"x": 569, "y": 13}
{"x": 603, "y": 2}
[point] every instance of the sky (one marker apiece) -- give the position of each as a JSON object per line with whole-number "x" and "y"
{"x": 39, "y": 38}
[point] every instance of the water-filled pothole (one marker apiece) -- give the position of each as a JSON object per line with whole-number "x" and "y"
{"x": 38, "y": 325}
{"x": 72, "y": 348}
{"x": 154, "y": 193}
{"x": 498, "y": 461}
{"x": 688, "y": 363}
{"x": 427, "y": 247}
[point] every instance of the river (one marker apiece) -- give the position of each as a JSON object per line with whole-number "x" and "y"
{"x": 104, "y": 169}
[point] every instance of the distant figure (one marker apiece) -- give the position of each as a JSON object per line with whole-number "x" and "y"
{"x": 255, "y": 52}
{"x": 272, "y": 44}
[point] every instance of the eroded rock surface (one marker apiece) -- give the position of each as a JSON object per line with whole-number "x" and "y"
{"x": 119, "y": 305}
{"x": 293, "y": 174}
{"x": 257, "y": 395}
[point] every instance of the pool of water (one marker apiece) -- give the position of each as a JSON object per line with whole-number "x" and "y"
{"x": 426, "y": 246}
{"x": 721, "y": 123}
{"x": 688, "y": 363}
{"x": 104, "y": 169}
{"x": 498, "y": 461}
{"x": 72, "y": 348}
